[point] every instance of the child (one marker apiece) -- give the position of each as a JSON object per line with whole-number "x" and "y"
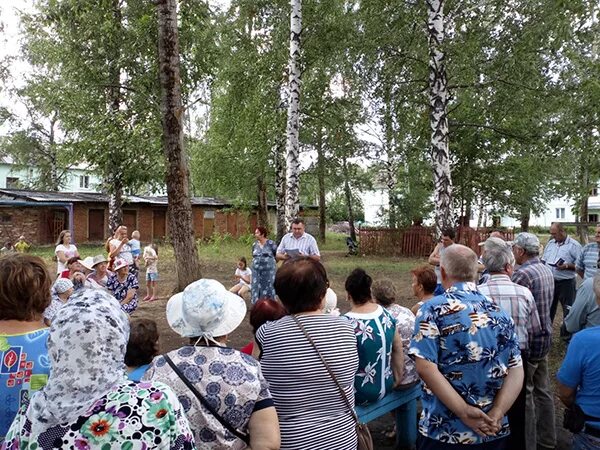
{"x": 136, "y": 247}
{"x": 151, "y": 260}
{"x": 22, "y": 245}
{"x": 141, "y": 348}
{"x": 243, "y": 275}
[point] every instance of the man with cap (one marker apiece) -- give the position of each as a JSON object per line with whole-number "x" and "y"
{"x": 539, "y": 402}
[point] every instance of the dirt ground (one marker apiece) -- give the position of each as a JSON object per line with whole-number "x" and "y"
{"x": 223, "y": 272}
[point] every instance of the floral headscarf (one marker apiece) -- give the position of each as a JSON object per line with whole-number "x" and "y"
{"x": 87, "y": 344}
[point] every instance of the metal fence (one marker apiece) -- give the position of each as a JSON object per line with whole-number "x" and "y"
{"x": 417, "y": 241}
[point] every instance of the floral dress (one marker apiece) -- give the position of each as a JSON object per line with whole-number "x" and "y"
{"x": 119, "y": 290}
{"x": 374, "y": 337}
{"x": 405, "y": 324}
{"x": 231, "y": 381}
{"x": 132, "y": 416}
{"x": 264, "y": 267}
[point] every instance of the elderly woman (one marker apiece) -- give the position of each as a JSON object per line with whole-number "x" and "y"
{"x": 100, "y": 272}
{"x": 381, "y": 358}
{"x": 64, "y": 251}
{"x": 124, "y": 286}
{"x": 222, "y": 390}
{"x": 311, "y": 410}
{"x": 24, "y": 296}
{"x": 61, "y": 291}
{"x": 88, "y": 402}
{"x": 263, "y": 266}
{"x": 424, "y": 283}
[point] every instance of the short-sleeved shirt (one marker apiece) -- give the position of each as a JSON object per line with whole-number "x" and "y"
{"x": 231, "y": 381}
{"x": 69, "y": 252}
{"x": 150, "y": 258}
{"x": 569, "y": 250}
{"x": 22, "y": 246}
{"x": 305, "y": 244}
{"x": 537, "y": 277}
{"x": 374, "y": 337}
{"x": 588, "y": 260}
{"x": 131, "y": 416}
{"x": 244, "y": 273}
{"x": 474, "y": 344}
{"x": 24, "y": 369}
{"x": 119, "y": 290}
{"x": 125, "y": 251}
{"x": 136, "y": 248}
{"x": 517, "y": 301}
{"x": 580, "y": 370}
{"x": 405, "y": 324}
{"x": 584, "y": 312}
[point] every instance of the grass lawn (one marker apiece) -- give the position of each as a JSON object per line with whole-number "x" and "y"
{"x": 218, "y": 259}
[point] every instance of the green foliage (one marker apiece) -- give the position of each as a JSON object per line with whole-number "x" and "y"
{"x": 337, "y": 208}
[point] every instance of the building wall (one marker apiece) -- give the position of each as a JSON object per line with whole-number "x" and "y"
{"x": 15, "y": 222}
{"x": 26, "y": 175}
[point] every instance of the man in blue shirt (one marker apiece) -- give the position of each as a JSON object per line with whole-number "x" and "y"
{"x": 587, "y": 264}
{"x": 561, "y": 254}
{"x": 585, "y": 312}
{"x": 579, "y": 381}
{"x": 467, "y": 353}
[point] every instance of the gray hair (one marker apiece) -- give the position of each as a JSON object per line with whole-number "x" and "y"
{"x": 459, "y": 263}
{"x": 597, "y": 286}
{"x": 497, "y": 253}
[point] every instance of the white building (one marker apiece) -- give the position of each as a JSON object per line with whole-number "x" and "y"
{"x": 78, "y": 178}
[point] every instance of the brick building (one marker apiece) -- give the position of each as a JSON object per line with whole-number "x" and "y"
{"x": 40, "y": 216}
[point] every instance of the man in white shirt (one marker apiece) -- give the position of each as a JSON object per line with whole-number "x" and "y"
{"x": 298, "y": 243}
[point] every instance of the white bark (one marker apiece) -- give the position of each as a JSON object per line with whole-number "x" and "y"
{"x": 292, "y": 202}
{"x": 438, "y": 101}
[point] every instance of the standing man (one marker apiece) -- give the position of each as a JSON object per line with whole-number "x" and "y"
{"x": 561, "y": 254}
{"x": 298, "y": 243}
{"x": 467, "y": 353}
{"x": 539, "y": 400}
{"x": 578, "y": 381}
{"x": 587, "y": 264}
{"x": 447, "y": 240}
{"x": 516, "y": 301}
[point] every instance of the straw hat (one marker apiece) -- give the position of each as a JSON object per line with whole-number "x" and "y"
{"x": 205, "y": 308}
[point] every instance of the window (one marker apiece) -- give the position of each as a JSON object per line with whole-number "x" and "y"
{"x": 12, "y": 183}
{"x": 593, "y": 218}
{"x": 594, "y": 192}
{"x": 560, "y": 213}
{"x": 209, "y": 214}
{"x": 84, "y": 181}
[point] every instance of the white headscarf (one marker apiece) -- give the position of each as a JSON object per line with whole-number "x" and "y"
{"x": 87, "y": 344}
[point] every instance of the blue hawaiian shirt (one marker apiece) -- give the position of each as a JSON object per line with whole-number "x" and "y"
{"x": 473, "y": 343}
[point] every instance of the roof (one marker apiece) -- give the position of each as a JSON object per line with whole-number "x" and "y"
{"x": 11, "y": 195}
{"x": 92, "y": 197}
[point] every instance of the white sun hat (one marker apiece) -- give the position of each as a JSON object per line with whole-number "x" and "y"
{"x": 206, "y": 309}
{"x": 88, "y": 263}
{"x": 119, "y": 263}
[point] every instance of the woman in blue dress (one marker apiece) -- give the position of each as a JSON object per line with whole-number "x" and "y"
{"x": 264, "y": 266}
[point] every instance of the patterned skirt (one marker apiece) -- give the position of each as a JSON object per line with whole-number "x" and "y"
{"x": 263, "y": 277}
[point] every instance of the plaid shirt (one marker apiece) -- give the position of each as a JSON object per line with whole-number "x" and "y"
{"x": 537, "y": 277}
{"x": 518, "y": 302}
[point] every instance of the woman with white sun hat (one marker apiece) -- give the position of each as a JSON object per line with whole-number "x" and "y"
{"x": 238, "y": 408}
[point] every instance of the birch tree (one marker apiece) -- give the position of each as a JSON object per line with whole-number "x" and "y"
{"x": 292, "y": 144}
{"x": 438, "y": 104}
{"x": 181, "y": 226}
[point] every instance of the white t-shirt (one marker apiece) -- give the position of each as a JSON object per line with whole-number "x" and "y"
{"x": 244, "y": 273}
{"x": 69, "y": 252}
{"x": 125, "y": 252}
{"x": 150, "y": 258}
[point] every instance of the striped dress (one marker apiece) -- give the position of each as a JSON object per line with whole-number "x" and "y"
{"x": 311, "y": 411}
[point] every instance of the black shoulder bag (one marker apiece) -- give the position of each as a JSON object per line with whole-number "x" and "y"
{"x": 243, "y": 436}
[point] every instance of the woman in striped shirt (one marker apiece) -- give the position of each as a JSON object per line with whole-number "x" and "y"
{"x": 312, "y": 413}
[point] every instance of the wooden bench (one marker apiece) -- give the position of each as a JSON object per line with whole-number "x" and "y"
{"x": 404, "y": 403}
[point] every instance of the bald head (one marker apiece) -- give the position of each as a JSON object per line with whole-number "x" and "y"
{"x": 497, "y": 234}
{"x": 458, "y": 263}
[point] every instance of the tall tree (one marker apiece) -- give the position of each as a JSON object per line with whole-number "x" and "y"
{"x": 438, "y": 102}
{"x": 292, "y": 145}
{"x": 181, "y": 225}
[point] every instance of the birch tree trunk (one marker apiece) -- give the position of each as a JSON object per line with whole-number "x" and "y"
{"x": 438, "y": 102}
{"x": 280, "y": 190}
{"x": 181, "y": 225}
{"x": 292, "y": 203}
{"x": 114, "y": 181}
{"x": 321, "y": 178}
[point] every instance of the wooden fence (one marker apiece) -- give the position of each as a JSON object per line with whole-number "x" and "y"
{"x": 417, "y": 241}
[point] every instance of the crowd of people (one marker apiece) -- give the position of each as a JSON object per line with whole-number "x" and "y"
{"x": 96, "y": 377}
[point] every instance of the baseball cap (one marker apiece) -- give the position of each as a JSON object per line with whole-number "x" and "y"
{"x": 527, "y": 241}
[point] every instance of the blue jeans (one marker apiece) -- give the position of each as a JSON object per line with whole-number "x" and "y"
{"x": 582, "y": 441}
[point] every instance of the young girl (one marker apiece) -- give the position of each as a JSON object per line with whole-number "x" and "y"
{"x": 151, "y": 259}
{"x": 243, "y": 275}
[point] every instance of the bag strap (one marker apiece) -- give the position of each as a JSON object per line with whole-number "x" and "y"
{"x": 337, "y": 383}
{"x": 244, "y": 437}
